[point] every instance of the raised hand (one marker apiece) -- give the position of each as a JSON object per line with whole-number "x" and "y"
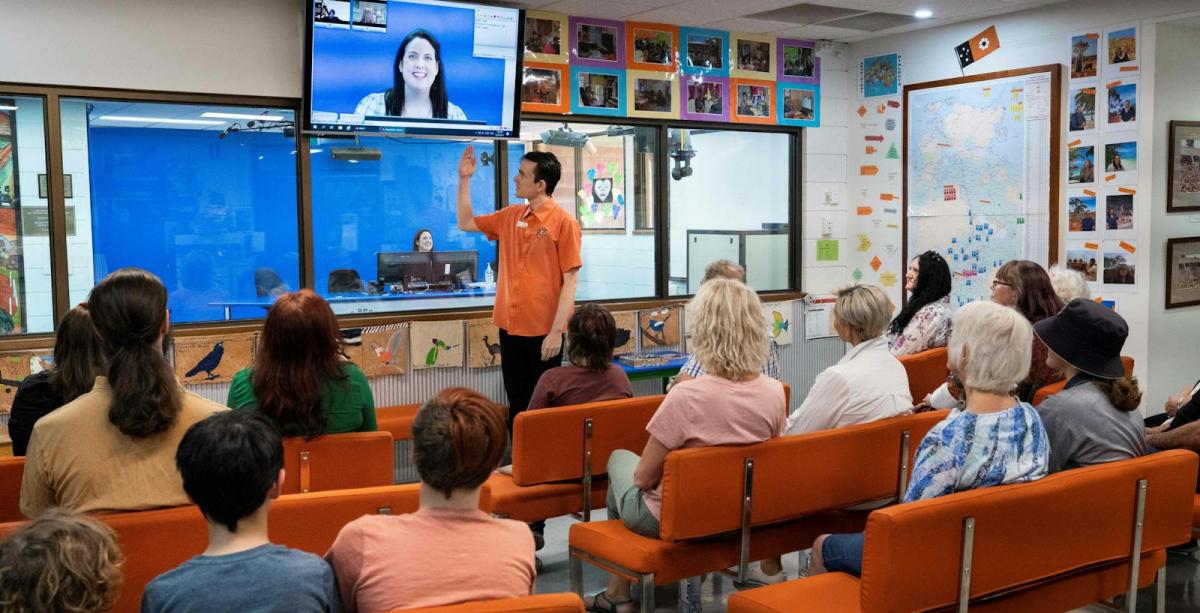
{"x": 467, "y": 165}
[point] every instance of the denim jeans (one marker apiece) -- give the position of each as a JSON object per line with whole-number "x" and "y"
{"x": 843, "y": 553}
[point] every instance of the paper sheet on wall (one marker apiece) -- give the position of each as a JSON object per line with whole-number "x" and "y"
{"x": 818, "y": 317}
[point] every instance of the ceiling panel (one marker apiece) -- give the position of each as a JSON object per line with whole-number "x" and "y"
{"x": 820, "y": 33}
{"x": 806, "y": 13}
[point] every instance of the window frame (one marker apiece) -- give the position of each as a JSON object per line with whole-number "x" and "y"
{"x": 53, "y": 95}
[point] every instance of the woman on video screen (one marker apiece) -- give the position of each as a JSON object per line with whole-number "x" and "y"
{"x": 418, "y": 83}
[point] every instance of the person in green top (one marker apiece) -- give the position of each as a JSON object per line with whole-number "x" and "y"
{"x": 299, "y": 378}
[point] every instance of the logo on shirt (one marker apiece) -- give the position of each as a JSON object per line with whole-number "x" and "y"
{"x": 542, "y": 232}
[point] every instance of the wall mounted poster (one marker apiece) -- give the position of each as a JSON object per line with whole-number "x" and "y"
{"x": 704, "y": 52}
{"x": 977, "y": 187}
{"x": 598, "y": 91}
{"x": 599, "y": 43}
{"x": 1085, "y": 55}
{"x": 1120, "y": 159}
{"x": 652, "y": 46}
{"x": 659, "y": 327}
{"x": 800, "y": 105}
{"x": 600, "y": 203}
{"x": 383, "y": 350}
{"x": 1183, "y": 272}
{"x": 879, "y": 75}
{"x": 545, "y": 34}
{"x": 1081, "y": 161}
{"x": 1122, "y": 105}
{"x": 797, "y": 62}
{"x": 1081, "y": 102}
{"x": 752, "y": 56}
{"x": 1082, "y": 216}
{"x": 215, "y": 358}
{"x": 437, "y": 344}
{"x": 544, "y": 88}
{"x": 1082, "y": 256}
{"x": 1121, "y": 52}
{"x": 12, "y": 279}
{"x": 653, "y": 94}
{"x": 706, "y": 98}
{"x": 1183, "y": 167}
{"x": 1120, "y": 266}
{"x": 779, "y": 322}
{"x": 483, "y": 343}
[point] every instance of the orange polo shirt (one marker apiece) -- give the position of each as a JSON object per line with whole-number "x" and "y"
{"x": 536, "y": 249}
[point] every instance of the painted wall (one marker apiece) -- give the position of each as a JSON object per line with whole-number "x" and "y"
{"x": 826, "y": 207}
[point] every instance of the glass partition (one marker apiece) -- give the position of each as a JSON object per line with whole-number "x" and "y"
{"x": 26, "y": 291}
{"x": 729, "y": 199}
{"x": 607, "y": 185}
{"x": 203, "y": 196}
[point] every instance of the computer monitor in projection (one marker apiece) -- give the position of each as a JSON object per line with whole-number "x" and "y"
{"x": 412, "y": 67}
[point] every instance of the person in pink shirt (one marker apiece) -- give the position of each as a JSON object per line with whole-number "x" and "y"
{"x": 731, "y": 404}
{"x": 449, "y": 551}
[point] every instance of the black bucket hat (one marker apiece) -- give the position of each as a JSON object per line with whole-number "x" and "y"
{"x": 1088, "y": 335}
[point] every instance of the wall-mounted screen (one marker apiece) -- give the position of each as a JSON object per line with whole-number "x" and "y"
{"x": 412, "y": 67}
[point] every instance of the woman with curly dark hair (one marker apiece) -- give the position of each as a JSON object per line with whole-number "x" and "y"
{"x": 591, "y": 376}
{"x": 924, "y": 322}
{"x": 60, "y": 562}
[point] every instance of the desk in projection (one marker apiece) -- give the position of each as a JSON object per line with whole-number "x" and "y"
{"x": 360, "y": 302}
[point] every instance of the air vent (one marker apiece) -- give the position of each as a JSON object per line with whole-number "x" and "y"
{"x": 805, "y": 14}
{"x": 872, "y": 22}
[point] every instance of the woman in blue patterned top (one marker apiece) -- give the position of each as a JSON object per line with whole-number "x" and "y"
{"x": 995, "y": 440}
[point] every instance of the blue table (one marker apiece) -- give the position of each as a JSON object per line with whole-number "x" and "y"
{"x": 663, "y": 371}
{"x": 363, "y": 298}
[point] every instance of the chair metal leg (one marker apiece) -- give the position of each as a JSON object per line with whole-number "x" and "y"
{"x": 648, "y": 593}
{"x": 1160, "y": 590}
{"x": 576, "y": 575}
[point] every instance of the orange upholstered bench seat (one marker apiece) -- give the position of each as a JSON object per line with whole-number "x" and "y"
{"x": 397, "y": 420}
{"x": 538, "y": 502}
{"x": 338, "y": 462}
{"x": 541, "y": 603}
{"x": 12, "y": 471}
{"x": 926, "y": 370}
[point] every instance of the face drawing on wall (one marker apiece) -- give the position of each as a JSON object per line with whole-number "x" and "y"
{"x": 602, "y": 190}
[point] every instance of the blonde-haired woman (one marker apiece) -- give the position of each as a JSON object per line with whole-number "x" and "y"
{"x": 731, "y": 404}
{"x": 997, "y": 439}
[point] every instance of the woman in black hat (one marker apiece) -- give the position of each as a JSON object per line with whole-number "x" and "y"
{"x": 1094, "y": 419}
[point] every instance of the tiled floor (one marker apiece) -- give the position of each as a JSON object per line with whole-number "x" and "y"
{"x": 1183, "y": 578}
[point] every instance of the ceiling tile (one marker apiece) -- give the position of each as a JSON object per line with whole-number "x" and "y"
{"x": 820, "y": 32}
{"x": 745, "y": 24}
{"x": 806, "y": 13}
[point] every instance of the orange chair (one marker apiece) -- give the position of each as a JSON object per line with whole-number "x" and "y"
{"x": 926, "y": 371}
{"x": 397, "y": 420}
{"x": 1047, "y": 391}
{"x": 723, "y": 506}
{"x": 338, "y": 462}
{"x": 1073, "y": 538}
{"x": 12, "y": 470}
{"x": 542, "y": 603}
{"x": 157, "y": 541}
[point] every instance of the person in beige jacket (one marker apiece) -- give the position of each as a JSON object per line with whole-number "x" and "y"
{"x": 113, "y": 449}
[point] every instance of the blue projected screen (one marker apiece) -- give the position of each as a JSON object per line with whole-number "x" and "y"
{"x": 413, "y": 67}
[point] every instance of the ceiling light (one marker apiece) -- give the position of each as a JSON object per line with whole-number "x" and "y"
{"x": 215, "y": 115}
{"x": 923, "y": 14}
{"x": 192, "y": 122}
{"x": 5, "y": 107}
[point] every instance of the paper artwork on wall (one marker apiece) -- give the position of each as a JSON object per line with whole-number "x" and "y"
{"x": 879, "y": 75}
{"x": 437, "y": 344}
{"x": 13, "y": 369}
{"x": 383, "y": 350}
{"x": 626, "y": 341}
{"x": 600, "y": 200}
{"x": 215, "y": 358}
{"x": 779, "y": 322}
{"x": 483, "y": 343}
{"x": 659, "y": 327}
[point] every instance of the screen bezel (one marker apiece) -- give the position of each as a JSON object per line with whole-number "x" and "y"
{"x": 307, "y": 128}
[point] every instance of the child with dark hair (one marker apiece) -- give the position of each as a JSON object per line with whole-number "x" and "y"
{"x": 232, "y": 467}
{"x": 60, "y": 562}
{"x": 591, "y": 376}
{"x": 449, "y": 551}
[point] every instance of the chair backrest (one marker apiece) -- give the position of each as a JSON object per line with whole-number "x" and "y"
{"x": 793, "y": 476}
{"x": 548, "y": 444}
{"x": 157, "y": 541}
{"x": 926, "y": 371}
{"x": 1047, "y": 391}
{"x": 1025, "y": 534}
{"x": 541, "y": 603}
{"x": 338, "y": 461}
{"x": 344, "y": 280}
{"x": 12, "y": 470}
{"x": 397, "y": 420}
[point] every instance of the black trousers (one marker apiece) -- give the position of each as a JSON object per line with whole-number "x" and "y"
{"x": 521, "y": 365}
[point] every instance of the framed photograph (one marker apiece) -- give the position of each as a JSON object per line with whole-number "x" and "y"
{"x": 1122, "y": 105}
{"x": 797, "y": 62}
{"x": 705, "y": 98}
{"x": 1183, "y": 169}
{"x": 1121, "y": 52}
{"x": 752, "y": 101}
{"x": 599, "y": 43}
{"x": 653, "y": 94}
{"x": 545, "y": 37}
{"x": 1183, "y": 272}
{"x": 800, "y": 105}
{"x": 752, "y": 56}
{"x": 598, "y": 91}
{"x": 1085, "y": 55}
{"x": 652, "y": 46}
{"x": 1081, "y": 106}
{"x": 544, "y": 88}
{"x": 704, "y": 51}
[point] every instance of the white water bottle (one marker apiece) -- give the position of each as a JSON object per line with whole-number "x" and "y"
{"x": 489, "y": 277}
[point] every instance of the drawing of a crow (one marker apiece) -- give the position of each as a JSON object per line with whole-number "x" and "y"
{"x": 622, "y": 337}
{"x": 209, "y": 363}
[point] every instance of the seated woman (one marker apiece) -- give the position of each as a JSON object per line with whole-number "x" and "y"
{"x": 113, "y": 448}
{"x": 868, "y": 383}
{"x": 299, "y": 378}
{"x": 1068, "y": 284}
{"x": 732, "y": 404}
{"x": 1094, "y": 419}
{"x": 448, "y": 551}
{"x": 591, "y": 376}
{"x": 423, "y": 240}
{"x": 924, "y": 322}
{"x": 78, "y": 360}
{"x": 60, "y": 562}
{"x": 996, "y": 439}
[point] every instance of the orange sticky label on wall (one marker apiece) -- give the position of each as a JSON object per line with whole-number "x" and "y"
{"x": 1091, "y": 245}
{"x": 865, "y": 210}
{"x": 871, "y": 150}
{"x": 867, "y": 171}
{"x": 888, "y": 197}
{"x": 1110, "y": 177}
{"x": 1127, "y": 190}
{"x": 1129, "y": 69}
{"x": 1127, "y": 247}
{"x": 1089, "y": 90}
{"x": 1113, "y": 84}
{"x": 1074, "y": 142}
{"x": 1093, "y": 35}
{"x": 1088, "y": 192}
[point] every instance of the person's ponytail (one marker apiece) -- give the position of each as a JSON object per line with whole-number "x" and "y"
{"x": 1123, "y": 393}
{"x": 129, "y": 311}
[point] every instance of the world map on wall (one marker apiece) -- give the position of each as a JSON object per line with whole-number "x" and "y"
{"x": 978, "y": 177}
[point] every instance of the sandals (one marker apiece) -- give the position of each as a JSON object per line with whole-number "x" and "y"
{"x": 601, "y": 603}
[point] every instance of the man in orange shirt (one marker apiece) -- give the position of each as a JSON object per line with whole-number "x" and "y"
{"x": 538, "y": 269}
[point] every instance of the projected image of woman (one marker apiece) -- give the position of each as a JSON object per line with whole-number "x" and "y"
{"x": 418, "y": 83}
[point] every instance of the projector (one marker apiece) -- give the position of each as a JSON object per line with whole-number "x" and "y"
{"x": 355, "y": 154}
{"x": 565, "y": 138}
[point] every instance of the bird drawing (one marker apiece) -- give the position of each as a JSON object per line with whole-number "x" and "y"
{"x": 656, "y": 327}
{"x": 779, "y": 325}
{"x": 493, "y": 350}
{"x": 623, "y": 336}
{"x": 209, "y": 363}
{"x": 438, "y": 345}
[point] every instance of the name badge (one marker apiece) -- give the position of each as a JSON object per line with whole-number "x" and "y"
{"x": 521, "y": 224}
